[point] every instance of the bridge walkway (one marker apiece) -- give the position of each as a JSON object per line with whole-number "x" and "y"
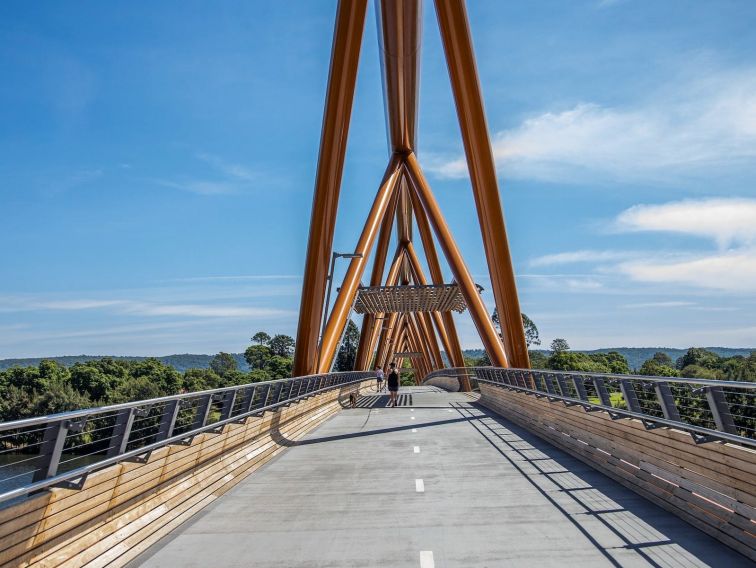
{"x": 437, "y": 482}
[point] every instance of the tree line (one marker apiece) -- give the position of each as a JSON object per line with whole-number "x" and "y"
{"x": 50, "y": 387}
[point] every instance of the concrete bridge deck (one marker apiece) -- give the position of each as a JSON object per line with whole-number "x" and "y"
{"x": 437, "y": 482}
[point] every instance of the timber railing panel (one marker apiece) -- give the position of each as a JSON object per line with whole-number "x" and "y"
{"x": 119, "y": 508}
{"x": 699, "y": 465}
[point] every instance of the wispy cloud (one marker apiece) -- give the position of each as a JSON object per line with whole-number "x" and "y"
{"x": 581, "y": 256}
{"x": 241, "y": 277}
{"x": 141, "y": 308}
{"x": 236, "y": 171}
{"x": 727, "y": 221}
{"x": 731, "y": 271}
{"x": 669, "y": 304}
{"x": 690, "y": 127}
{"x": 226, "y": 178}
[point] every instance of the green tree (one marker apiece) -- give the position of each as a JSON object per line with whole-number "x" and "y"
{"x": 531, "y": 331}
{"x": 91, "y": 380}
{"x": 166, "y": 379}
{"x": 257, "y": 356}
{"x": 348, "y": 351}
{"x": 653, "y": 368}
{"x": 200, "y": 379}
{"x": 538, "y": 360}
{"x": 279, "y": 367}
{"x": 571, "y": 361}
{"x": 663, "y": 359}
{"x": 615, "y": 362}
{"x": 282, "y": 345}
{"x": 559, "y": 345}
{"x": 223, "y": 363}
{"x": 261, "y": 338}
{"x": 700, "y": 357}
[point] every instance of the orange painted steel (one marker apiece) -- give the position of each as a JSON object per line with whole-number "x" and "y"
{"x": 424, "y": 318}
{"x": 454, "y": 350}
{"x": 460, "y": 59}
{"x": 345, "y": 298}
{"x": 381, "y": 335}
{"x": 399, "y": 34}
{"x": 367, "y": 334}
{"x": 436, "y": 317}
{"x": 480, "y": 316}
{"x": 345, "y": 54}
{"x": 424, "y": 340}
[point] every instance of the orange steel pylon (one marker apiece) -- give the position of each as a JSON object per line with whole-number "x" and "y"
{"x": 404, "y": 196}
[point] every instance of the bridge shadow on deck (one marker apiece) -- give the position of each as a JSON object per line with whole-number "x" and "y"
{"x": 610, "y": 516}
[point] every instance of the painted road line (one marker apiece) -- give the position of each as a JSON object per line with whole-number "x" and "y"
{"x": 417, "y": 449}
{"x": 419, "y": 486}
{"x": 412, "y": 410}
{"x": 414, "y": 430}
{"x": 412, "y": 418}
{"x": 426, "y": 559}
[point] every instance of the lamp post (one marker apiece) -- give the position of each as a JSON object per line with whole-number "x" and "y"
{"x": 334, "y": 256}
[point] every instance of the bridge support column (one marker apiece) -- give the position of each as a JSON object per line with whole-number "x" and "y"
{"x": 463, "y": 72}
{"x": 345, "y": 55}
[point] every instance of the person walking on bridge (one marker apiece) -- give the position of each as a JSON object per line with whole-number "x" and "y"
{"x": 393, "y": 384}
{"x": 378, "y": 379}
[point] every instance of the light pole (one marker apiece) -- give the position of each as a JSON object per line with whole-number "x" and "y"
{"x": 334, "y": 256}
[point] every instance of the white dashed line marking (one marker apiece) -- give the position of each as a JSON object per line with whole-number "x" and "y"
{"x": 449, "y": 410}
{"x": 412, "y": 418}
{"x": 412, "y": 410}
{"x": 414, "y": 430}
{"x": 419, "y": 486}
{"x": 417, "y": 449}
{"x": 426, "y": 559}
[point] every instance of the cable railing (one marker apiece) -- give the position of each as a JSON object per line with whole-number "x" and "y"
{"x": 62, "y": 449}
{"x": 709, "y": 410}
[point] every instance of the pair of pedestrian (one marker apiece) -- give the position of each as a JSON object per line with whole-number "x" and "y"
{"x": 392, "y": 382}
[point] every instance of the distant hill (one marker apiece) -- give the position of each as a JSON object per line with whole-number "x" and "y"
{"x": 179, "y": 362}
{"x": 637, "y": 355}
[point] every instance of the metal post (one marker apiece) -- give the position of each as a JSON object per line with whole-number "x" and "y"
{"x": 720, "y": 410}
{"x": 603, "y": 394}
{"x": 168, "y": 421}
{"x": 666, "y": 401}
{"x": 121, "y": 430}
{"x": 631, "y": 397}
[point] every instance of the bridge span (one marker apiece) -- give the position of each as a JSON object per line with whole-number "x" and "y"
{"x": 438, "y": 477}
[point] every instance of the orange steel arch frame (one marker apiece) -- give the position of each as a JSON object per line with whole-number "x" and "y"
{"x": 404, "y": 195}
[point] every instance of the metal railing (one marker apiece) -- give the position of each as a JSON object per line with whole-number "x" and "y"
{"x": 61, "y": 449}
{"x": 709, "y": 410}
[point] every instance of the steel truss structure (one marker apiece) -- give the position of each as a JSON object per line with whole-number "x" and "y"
{"x": 404, "y": 198}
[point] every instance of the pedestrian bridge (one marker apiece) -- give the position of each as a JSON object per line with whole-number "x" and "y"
{"x": 496, "y": 466}
{"x": 528, "y": 469}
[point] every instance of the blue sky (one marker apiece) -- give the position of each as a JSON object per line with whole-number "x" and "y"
{"x": 157, "y": 164}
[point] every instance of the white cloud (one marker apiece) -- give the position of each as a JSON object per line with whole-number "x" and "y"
{"x": 731, "y": 271}
{"x": 695, "y": 126}
{"x": 669, "y": 304}
{"x": 727, "y": 221}
{"x": 252, "y": 277}
{"x": 230, "y": 170}
{"x": 581, "y": 256}
{"x": 131, "y": 307}
{"x": 202, "y": 187}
